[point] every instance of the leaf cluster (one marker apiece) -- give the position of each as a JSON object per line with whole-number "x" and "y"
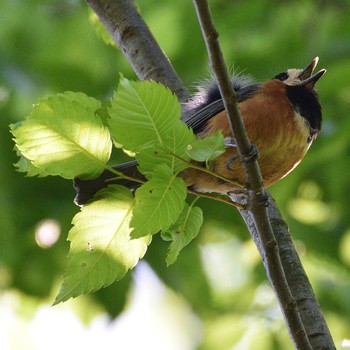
{"x": 67, "y": 135}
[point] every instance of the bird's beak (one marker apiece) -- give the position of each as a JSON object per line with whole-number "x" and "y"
{"x": 306, "y": 73}
{"x": 306, "y": 77}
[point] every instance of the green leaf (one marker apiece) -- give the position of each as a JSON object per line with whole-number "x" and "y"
{"x": 143, "y": 114}
{"x": 149, "y": 158}
{"x": 159, "y": 202}
{"x": 63, "y": 136}
{"x": 183, "y": 231}
{"x": 25, "y": 166}
{"x": 101, "y": 250}
{"x": 208, "y": 148}
{"x": 145, "y": 119}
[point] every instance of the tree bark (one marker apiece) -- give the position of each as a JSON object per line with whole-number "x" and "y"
{"x": 137, "y": 43}
{"x": 257, "y": 194}
{"x": 310, "y": 312}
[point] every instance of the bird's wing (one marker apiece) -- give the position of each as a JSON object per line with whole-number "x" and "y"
{"x": 201, "y": 114}
{"x": 199, "y": 118}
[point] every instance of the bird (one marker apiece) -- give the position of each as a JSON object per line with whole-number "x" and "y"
{"x": 282, "y": 117}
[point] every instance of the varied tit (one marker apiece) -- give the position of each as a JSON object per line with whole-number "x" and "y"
{"x": 282, "y": 117}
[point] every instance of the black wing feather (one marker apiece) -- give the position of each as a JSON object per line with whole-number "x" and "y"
{"x": 197, "y": 113}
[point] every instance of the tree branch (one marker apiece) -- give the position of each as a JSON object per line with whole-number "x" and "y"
{"x": 268, "y": 245}
{"x": 121, "y": 19}
{"x": 305, "y": 299}
{"x": 137, "y": 43}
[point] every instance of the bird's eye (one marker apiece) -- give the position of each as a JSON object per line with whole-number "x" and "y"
{"x": 282, "y": 76}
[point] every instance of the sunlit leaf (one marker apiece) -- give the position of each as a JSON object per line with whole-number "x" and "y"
{"x": 145, "y": 119}
{"x": 101, "y": 249}
{"x": 63, "y": 136}
{"x": 143, "y": 114}
{"x": 25, "y": 166}
{"x": 159, "y": 202}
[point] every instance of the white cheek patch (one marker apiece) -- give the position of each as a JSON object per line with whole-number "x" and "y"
{"x": 302, "y": 124}
{"x": 293, "y": 77}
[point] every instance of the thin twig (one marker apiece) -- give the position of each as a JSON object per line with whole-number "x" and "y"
{"x": 270, "y": 253}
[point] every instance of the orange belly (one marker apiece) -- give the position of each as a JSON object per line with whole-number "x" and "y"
{"x": 273, "y": 168}
{"x": 280, "y": 134}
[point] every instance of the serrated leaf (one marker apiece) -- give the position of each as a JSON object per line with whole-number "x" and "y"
{"x": 142, "y": 114}
{"x": 145, "y": 118}
{"x": 159, "y": 202}
{"x": 63, "y": 136}
{"x": 208, "y": 148}
{"x": 103, "y": 112}
{"x": 174, "y": 156}
{"x": 101, "y": 250}
{"x": 183, "y": 231}
{"x": 25, "y": 166}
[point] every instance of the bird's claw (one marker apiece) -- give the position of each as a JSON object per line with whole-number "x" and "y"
{"x": 252, "y": 155}
{"x": 230, "y": 162}
{"x": 264, "y": 201}
{"x": 230, "y": 142}
{"x": 240, "y": 198}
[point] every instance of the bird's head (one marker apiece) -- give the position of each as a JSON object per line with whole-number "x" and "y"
{"x": 301, "y": 77}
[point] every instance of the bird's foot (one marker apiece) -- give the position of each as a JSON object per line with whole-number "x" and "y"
{"x": 264, "y": 199}
{"x": 243, "y": 200}
{"x": 240, "y": 198}
{"x": 229, "y": 142}
{"x": 230, "y": 162}
{"x": 252, "y": 155}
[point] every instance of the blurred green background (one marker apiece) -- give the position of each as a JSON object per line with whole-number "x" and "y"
{"x": 216, "y": 295}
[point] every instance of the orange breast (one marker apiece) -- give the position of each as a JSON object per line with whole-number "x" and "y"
{"x": 272, "y": 125}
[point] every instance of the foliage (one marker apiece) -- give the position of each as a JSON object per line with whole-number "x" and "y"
{"x": 48, "y": 48}
{"x": 101, "y": 249}
{"x": 64, "y": 135}
{"x": 183, "y": 231}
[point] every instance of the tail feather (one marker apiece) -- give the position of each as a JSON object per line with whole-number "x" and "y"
{"x": 85, "y": 189}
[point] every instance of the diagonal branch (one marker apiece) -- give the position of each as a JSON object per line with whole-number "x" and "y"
{"x": 137, "y": 43}
{"x": 310, "y": 312}
{"x": 269, "y": 249}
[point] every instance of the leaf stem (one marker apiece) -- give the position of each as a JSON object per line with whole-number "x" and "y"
{"x": 121, "y": 175}
{"x": 216, "y": 198}
{"x": 207, "y": 171}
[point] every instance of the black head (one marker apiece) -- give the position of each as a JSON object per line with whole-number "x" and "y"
{"x": 302, "y": 93}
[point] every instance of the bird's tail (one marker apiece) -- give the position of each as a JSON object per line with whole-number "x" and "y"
{"x": 87, "y": 188}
